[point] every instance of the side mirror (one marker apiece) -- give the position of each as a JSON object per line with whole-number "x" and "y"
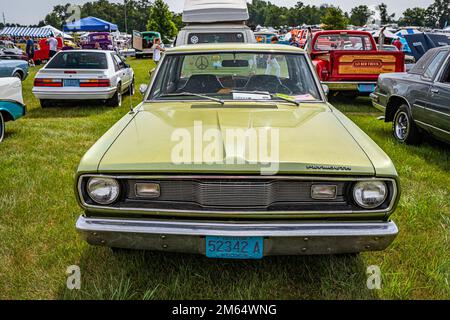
{"x": 326, "y": 89}
{"x": 143, "y": 89}
{"x": 151, "y": 72}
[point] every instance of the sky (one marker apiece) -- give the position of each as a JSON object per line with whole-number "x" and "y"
{"x": 31, "y": 12}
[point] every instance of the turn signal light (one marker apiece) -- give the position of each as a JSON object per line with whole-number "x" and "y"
{"x": 324, "y": 192}
{"x": 96, "y": 83}
{"x": 48, "y": 83}
{"x": 148, "y": 190}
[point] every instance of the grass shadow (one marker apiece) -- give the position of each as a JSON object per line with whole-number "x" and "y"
{"x": 70, "y": 110}
{"x": 153, "y": 275}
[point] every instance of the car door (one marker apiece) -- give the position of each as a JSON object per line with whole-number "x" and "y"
{"x": 439, "y": 100}
{"x": 124, "y": 72}
{"x": 420, "y": 93}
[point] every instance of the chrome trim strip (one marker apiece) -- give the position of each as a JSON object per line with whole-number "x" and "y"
{"x": 432, "y": 127}
{"x": 205, "y": 177}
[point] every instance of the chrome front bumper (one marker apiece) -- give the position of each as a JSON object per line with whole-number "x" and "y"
{"x": 281, "y": 238}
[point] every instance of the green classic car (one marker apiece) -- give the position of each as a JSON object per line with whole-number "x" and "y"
{"x": 229, "y": 158}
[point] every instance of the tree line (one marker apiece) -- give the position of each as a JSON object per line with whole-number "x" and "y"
{"x": 147, "y": 15}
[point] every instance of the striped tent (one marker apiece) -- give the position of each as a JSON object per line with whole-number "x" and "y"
{"x": 25, "y": 31}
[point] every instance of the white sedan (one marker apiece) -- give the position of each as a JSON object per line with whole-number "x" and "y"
{"x": 84, "y": 75}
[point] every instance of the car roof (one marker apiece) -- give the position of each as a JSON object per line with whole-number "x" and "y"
{"x": 217, "y": 47}
{"x": 88, "y": 50}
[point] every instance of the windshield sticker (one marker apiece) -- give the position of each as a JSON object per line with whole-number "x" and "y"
{"x": 251, "y": 96}
{"x": 298, "y": 98}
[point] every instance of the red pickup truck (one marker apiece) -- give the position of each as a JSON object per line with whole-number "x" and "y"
{"x": 350, "y": 61}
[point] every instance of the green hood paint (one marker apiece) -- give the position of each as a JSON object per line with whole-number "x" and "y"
{"x": 313, "y": 140}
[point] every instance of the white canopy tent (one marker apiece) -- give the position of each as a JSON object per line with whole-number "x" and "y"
{"x": 59, "y": 33}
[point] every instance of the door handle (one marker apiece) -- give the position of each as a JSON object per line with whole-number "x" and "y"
{"x": 434, "y": 90}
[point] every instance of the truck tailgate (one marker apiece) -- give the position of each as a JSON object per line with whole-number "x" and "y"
{"x": 365, "y": 66}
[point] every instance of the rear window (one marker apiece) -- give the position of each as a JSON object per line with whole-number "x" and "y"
{"x": 196, "y": 38}
{"x": 78, "y": 60}
{"x": 343, "y": 42}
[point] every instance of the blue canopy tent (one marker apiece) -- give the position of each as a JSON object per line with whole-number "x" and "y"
{"x": 90, "y": 24}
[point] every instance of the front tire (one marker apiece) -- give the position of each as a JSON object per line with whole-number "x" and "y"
{"x": 404, "y": 128}
{"x": 45, "y": 103}
{"x": 132, "y": 88}
{"x": 116, "y": 100}
{"x": 2, "y": 127}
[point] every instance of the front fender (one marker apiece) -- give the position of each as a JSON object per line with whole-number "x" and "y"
{"x": 12, "y": 110}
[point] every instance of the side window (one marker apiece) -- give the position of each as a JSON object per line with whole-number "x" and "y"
{"x": 116, "y": 66}
{"x": 435, "y": 64}
{"x": 445, "y": 78}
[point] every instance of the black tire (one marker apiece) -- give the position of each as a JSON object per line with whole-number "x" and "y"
{"x": 132, "y": 88}
{"x": 116, "y": 100}
{"x": 2, "y": 127}
{"x": 45, "y": 103}
{"x": 18, "y": 75}
{"x": 404, "y": 128}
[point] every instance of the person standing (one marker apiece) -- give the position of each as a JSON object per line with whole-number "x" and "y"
{"x": 53, "y": 46}
{"x": 398, "y": 44}
{"x": 159, "y": 48}
{"x": 30, "y": 50}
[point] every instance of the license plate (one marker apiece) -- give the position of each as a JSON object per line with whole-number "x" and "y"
{"x": 235, "y": 247}
{"x": 366, "y": 87}
{"x": 71, "y": 83}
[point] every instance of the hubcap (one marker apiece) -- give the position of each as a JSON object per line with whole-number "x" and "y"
{"x": 402, "y": 126}
{"x": 119, "y": 96}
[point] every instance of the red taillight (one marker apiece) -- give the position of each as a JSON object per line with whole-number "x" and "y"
{"x": 96, "y": 83}
{"x": 48, "y": 83}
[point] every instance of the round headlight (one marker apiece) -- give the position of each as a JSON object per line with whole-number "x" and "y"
{"x": 370, "y": 194}
{"x": 103, "y": 190}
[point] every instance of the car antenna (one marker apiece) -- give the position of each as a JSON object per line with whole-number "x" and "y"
{"x": 131, "y": 100}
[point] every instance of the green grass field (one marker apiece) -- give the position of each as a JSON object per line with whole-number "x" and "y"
{"x": 38, "y": 212}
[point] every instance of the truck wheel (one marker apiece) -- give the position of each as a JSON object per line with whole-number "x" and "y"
{"x": 405, "y": 130}
{"x": 2, "y": 127}
{"x": 45, "y": 103}
{"x": 116, "y": 100}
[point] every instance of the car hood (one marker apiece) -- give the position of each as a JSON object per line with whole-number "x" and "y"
{"x": 198, "y": 138}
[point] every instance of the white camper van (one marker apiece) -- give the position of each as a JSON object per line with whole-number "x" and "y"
{"x": 215, "y": 21}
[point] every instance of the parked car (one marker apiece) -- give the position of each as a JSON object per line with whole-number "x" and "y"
{"x": 84, "y": 75}
{"x": 11, "y": 102}
{"x": 8, "y": 50}
{"x": 42, "y": 54}
{"x": 350, "y": 60}
{"x": 143, "y": 43}
{"x": 103, "y": 39}
{"x": 152, "y": 182}
{"x": 418, "y": 101}
{"x": 14, "y": 68}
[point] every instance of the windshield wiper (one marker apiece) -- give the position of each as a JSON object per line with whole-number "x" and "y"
{"x": 190, "y": 94}
{"x": 273, "y": 96}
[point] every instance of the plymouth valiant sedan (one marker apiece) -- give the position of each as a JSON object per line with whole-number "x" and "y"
{"x": 230, "y": 160}
{"x": 418, "y": 102}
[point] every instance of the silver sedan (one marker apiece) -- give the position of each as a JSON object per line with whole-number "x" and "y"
{"x": 84, "y": 75}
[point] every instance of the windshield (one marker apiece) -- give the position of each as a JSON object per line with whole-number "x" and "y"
{"x": 78, "y": 60}
{"x": 236, "y": 76}
{"x": 343, "y": 42}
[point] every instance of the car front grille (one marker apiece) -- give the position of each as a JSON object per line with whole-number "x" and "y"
{"x": 233, "y": 194}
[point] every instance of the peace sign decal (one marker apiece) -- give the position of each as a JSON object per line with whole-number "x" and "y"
{"x": 202, "y": 63}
